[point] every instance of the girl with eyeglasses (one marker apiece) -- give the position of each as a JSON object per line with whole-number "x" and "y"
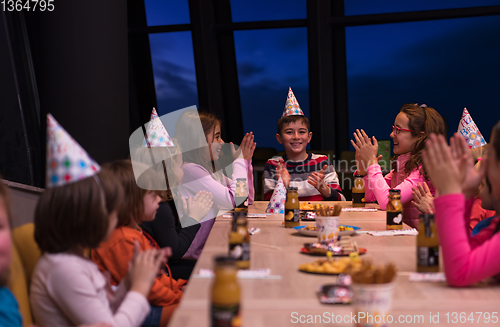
{"x": 411, "y": 128}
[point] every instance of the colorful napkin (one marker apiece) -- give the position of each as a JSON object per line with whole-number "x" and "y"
{"x": 67, "y": 161}
{"x": 278, "y": 199}
{"x": 468, "y": 129}
{"x": 156, "y": 134}
{"x": 292, "y": 106}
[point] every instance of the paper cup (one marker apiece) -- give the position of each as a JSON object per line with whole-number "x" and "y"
{"x": 328, "y": 228}
{"x": 372, "y": 303}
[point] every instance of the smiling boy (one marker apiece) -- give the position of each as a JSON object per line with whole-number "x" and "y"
{"x": 312, "y": 174}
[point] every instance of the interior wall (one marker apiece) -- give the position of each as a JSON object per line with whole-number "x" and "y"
{"x": 80, "y": 54}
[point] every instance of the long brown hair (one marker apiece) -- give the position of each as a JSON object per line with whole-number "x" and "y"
{"x": 191, "y": 141}
{"x": 132, "y": 208}
{"x": 76, "y": 215}
{"x": 495, "y": 141}
{"x": 423, "y": 121}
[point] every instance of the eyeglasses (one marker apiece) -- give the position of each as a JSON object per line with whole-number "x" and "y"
{"x": 396, "y": 130}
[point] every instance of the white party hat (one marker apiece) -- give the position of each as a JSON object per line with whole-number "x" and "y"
{"x": 292, "y": 106}
{"x": 67, "y": 161}
{"x": 156, "y": 134}
{"x": 278, "y": 199}
{"x": 468, "y": 129}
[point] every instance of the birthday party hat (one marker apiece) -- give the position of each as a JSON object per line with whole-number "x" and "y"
{"x": 156, "y": 134}
{"x": 278, "y": 199}
{"x": 292, "y": 106}
{"x": 67, "y": 161}
{"x": 468, "y": 129}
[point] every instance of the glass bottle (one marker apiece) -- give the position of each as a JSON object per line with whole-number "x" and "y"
{"x": 427, "y": 244}
{"x": 292, "y": 207}
{"x": 394, "y": 210}
{"x": 225, "y": 308}
{"x": 239, "y": 240}
{"x": 358, "y": 192}
{"x": 241, "y": 195}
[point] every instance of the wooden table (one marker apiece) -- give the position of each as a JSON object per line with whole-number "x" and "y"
{"x": 283, "y": 302}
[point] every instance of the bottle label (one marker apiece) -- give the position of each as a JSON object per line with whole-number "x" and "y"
{"x": 226, "y": 315}
{"x": 357, "y": 197}
{"x": 427, "y": 256}
{"x": 394, "y": 218}
{"x": 292, "y": 215}
{"x": 241, "y": 202}
{"x": 240, "y": 251}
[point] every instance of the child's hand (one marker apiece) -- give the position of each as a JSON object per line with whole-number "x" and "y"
{"x": 246, "y": 148}
{"x": 422, "y": 198}
{"x": 282, "y": 172}
{"x": 366, "y": 151}
{"x": 471, "y": 178}
{"x": 145, "y": 268}
{"x": 441, "y": 166}
{"x": 198, "y": 206}
{"x": 317, "y": 178}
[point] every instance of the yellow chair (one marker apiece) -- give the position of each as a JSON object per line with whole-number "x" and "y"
{"x": 25, "y": 254}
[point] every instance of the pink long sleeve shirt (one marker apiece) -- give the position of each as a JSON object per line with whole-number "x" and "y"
{"x": 68, "y": 290}
{"x": 464, "y": 264}
{"x": 377, "y": 187}
{"x": 197, "y": 178}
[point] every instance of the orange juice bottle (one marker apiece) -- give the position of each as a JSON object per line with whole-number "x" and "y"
{"x": 239, "y": 240}
{"x": 394, "y": 210}
{"x": 292, "y": 208}
{"x": 358, "y": 192}
{"x": 427, "y": 244}
{"x": 225, "y": 297}
{"x": 241, "y": 195}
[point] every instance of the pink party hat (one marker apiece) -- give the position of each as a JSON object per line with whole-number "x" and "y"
{"x": 292, "y": 106}
{"x": 278, "y": 199}
{"x": 67, "y": 161}
{"x": 156, "y": 134}
{"x": 468, "y": 129}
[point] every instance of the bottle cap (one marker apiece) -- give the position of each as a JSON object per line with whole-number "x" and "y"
{"x": 292, "y": 188}
{"x": 393, "y": 191}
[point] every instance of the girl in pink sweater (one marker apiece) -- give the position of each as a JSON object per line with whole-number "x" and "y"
{"x": 200, "y": 139}
{"x": 411, "y": 128}
{"x": 452, "y": 171}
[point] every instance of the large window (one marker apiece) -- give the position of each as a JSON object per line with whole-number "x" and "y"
{"x": 364, "y": 7}
{"x": 447, "y": 64}
{"x": 259, "y": 10}
{"x": 174, "y": 72}
{"x": 167, "y": 12}
{"x": 270, "y": 61}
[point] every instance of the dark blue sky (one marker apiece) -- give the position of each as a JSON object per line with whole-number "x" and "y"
{"x": 448, "y": 64}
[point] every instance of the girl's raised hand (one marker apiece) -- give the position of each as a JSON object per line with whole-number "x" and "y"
{"x": 366, "y": 151}
{"x": 441, "y": 166}
{"x": 198, "y": 206}
{"x": 471, "y": 178}
{"x": 246, "y": 149}
{"x": 422, "y": 198}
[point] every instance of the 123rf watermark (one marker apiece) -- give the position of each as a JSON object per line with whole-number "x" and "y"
{"x": 469, "y": 318}
{"x": 27, "y": 5}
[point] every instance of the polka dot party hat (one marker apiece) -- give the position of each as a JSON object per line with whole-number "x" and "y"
{"x": 278, "y": 199}
{"x": 67, "y": 161}
{"x": 156, "y": 134}
{"x": 469, "y": 130}
{"x": 292, "y": 106}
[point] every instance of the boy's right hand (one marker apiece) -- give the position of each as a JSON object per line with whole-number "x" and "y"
{"x": 422, "y": 198}
{"x": 198, "y": 206}
{"x": 144, "y": 268}
{"x": 282, "y": 172}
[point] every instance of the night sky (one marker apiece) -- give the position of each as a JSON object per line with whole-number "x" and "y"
{"x": 447, "y": 64}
